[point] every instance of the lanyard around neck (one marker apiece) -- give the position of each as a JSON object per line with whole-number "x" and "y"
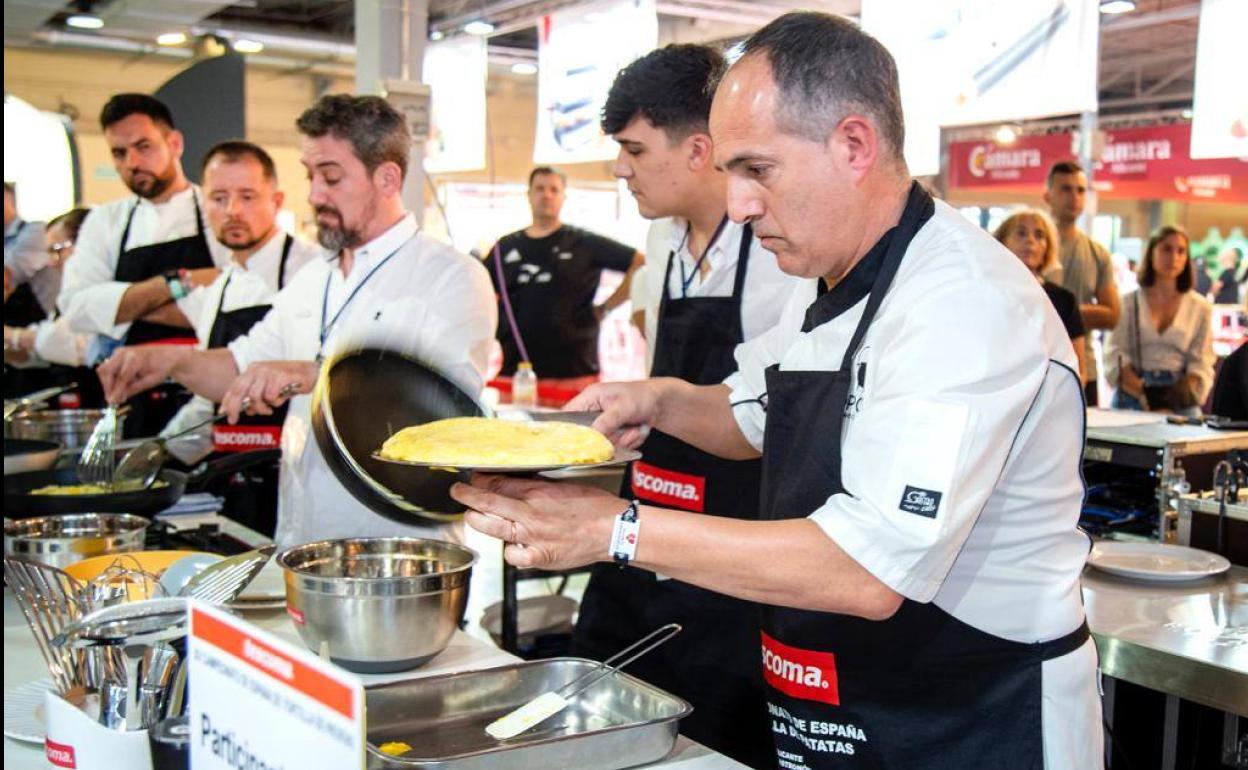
{"x": 326, "y": 328}
{"x": 687, "y": 281}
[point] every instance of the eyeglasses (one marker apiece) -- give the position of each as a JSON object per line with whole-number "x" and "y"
{"x": 61, "y": 250}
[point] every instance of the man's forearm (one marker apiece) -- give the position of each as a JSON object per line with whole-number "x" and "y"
{"x": 621, "y": 292}
{"x": 804, "y": 568}
{"x": 142, "y": 298}
{"x": 1098, "y": 316}
{"x": 701, "y": 415}
{"x": 207, "y": 373}
{"x": 168, "y": 314}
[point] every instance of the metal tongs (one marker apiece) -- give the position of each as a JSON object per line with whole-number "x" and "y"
{"x": 548, "y": 704}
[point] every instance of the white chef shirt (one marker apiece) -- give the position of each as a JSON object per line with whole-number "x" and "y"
{"x": 428, "y": 301}
{"x": 244, "y": 286}
{"x": 766, "y": 288}
{"x": 26, "y": 256}
{"x": 964, "y": 385}
{"x": 90, "y": 295}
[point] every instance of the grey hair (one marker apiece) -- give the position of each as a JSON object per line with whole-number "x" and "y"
{"x": 827, "y": 68}
{"x": 376, "y": 131}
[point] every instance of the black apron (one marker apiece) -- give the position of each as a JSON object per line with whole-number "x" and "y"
{"x": 151, "y": 410}
{"x": 919, "y": 690}
{"x": 251, "y": 494}
{"x": 714, "y": 663}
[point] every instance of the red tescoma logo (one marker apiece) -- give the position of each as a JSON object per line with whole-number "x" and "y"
{"x": 660, "y": 485}
{"x": 798, "y": 673}
{"x": 238, "y": 438}
{"x": 59, "y": 754}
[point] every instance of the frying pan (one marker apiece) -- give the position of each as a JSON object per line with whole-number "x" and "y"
{"x": 22, "y": 455}
{"x": 19, "y": 503}
{"x": 363, "y": 397}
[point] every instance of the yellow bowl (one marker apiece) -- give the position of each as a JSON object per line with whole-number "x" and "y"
{"x": 154, "y": 562}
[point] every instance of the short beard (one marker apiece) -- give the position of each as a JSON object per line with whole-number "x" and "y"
{"x": 337, "y": 238}
{"x": 157, "y": 188}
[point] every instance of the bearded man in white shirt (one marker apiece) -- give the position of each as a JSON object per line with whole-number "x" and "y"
{"x": 384, "y": 280}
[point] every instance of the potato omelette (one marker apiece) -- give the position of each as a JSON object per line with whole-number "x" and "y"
{"x": 487, "y": 442}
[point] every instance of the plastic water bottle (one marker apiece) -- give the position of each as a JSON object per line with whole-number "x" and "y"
{"x": 524, "y": 386}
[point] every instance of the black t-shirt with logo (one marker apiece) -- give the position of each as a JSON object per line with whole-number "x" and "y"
{"x": 551, "y": 282}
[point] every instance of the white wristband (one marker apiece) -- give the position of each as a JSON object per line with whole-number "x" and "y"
{"x": 624, "y": 535}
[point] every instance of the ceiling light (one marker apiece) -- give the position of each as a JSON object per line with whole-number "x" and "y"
{"x": 171, "y": 38}
{"x": 85, "y": 21}
{"x": 524, "y": 68}
{"x": 478, "y": 27}
{"x": 1117, "y": 6}
{"x": 248, "y": 46}
{"x": 436, "y": 35}
{"x": 1006, "y": 134}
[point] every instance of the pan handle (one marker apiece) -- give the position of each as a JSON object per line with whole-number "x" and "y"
{"x": 206, "y": 472}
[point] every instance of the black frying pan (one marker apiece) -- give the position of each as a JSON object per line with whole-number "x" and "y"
{"x": 24, "y": 455}
{"x": 19, "y": 503}
{"x": 361, "y": 399}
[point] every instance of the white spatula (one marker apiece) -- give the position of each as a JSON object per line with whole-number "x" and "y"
{"x": 548, "y": 704}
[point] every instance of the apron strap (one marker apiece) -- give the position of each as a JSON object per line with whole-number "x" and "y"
{"x": 281, "y": 265}
{"x": 918, "y": 210}
{"x": 125, "y": 232}
{"x": 1063, "y": 645}
{"x": 743, "y": 259}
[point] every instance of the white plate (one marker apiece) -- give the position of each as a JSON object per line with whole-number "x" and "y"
{"x": 1156, "y": 561}
{"x": 23, "y": 711}
{"x": 621, "y": 457}
{"x": 267, "y": 586}
{"x": 261, "y": 606}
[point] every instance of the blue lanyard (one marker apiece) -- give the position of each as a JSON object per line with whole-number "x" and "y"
{"x": 687, "y": 281}
{"x": 326, "y": 328}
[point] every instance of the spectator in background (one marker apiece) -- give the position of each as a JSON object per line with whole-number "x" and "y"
{"x": 1230, "y": 390}
{"x": 1225, "y": 290}
{"x": 49, "y": 352}
{"x": 1160, "y": 355}
{"x": 1204, "y": 284}
{"x": 1030, "y": 235}
{"x": 1086, "y": 269}
{"x": 550, "y": 274}
{"x": 30, "y": 288}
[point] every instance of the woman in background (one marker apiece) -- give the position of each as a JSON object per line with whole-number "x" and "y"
{"x": 1161, "y": 353}
{"x": 1030, "y": 234}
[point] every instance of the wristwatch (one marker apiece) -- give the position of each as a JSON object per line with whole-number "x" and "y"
{"x": 177, "y": 288}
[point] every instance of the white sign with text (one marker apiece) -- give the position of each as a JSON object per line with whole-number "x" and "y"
{"x": 257, "y": 701}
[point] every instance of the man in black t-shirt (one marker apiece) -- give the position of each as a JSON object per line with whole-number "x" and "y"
{"x": 551, "y": 273}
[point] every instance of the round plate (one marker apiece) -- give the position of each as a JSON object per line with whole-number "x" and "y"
{"x": 1156, "y": 561}
{"x": 621, "y": 457}
{"x": 266, "y": 605}
{"x": 267, "y": 587}
{"x": 23, "y": 711}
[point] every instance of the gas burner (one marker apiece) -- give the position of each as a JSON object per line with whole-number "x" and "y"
{"x": 162, "y": 535}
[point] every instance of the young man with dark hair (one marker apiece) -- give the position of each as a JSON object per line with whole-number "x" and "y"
{"x": 917, "y": 558}
{"x": 384, "y": 283}
{"x": 551, "y": 273}
{"x": 1084, "y": 266}
{"x": 242, "y": 202}
{"x": 136, "y": 256}
{"x": 709, "y": 286}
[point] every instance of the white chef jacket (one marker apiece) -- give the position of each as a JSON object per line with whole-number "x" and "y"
{"x": 247, "y": 285}
{"x": 428, "y": 301}
{"x": 965, "y": 385}
{"x": 90, "y": 295}
{"x": 766, "y": 288}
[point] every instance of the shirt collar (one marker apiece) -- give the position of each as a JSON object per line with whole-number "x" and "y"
{"x": 274, "y": 246}
{"x": 852, "y": 288}
{"x": 678, "y": 241}
{"x": 175, "y": 199}
{"x": 385, "y": 244}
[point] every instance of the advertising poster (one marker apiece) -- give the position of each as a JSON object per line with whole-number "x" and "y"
{"x": 1220, "y": 103}
{"x": 964, "y": 62}
{"x": 579, "y": 52}
{"x": 455, "y": 71}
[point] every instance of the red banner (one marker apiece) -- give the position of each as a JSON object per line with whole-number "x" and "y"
{"x": 1023, "y": 165}
{"x": 1153, "y": 163}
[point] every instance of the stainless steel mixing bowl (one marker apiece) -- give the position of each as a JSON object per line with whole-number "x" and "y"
{"x": 65, "y": 539}
{"x": 380, "y": 604}
{"x": 68, "y": 427}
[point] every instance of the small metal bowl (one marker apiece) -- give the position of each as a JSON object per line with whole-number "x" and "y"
{"x": 68, "y": 427}
{"x": 69, "y": 538}
{"x": 377, "y": 605}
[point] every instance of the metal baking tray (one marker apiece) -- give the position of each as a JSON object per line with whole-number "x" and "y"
{"x": 620, "y": 722}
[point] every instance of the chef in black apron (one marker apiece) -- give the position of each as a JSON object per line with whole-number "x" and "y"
{"x": 696, "y": 337}
{"x": 151, "y": 410}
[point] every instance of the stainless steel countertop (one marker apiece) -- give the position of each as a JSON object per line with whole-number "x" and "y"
{"x": 1185, "y": 439}
{"x": 1186, "y": 639}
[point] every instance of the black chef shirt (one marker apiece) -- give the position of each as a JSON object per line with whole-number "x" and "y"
{"x": 551, "y": 282}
